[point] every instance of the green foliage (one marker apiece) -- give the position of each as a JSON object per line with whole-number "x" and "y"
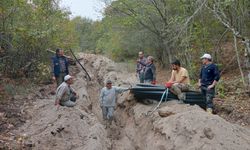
{"x": 28, "y": 29}
{"x": 43, "y": 73}
{"x": 221, "y": 89}
{"x": 166, "y": 29}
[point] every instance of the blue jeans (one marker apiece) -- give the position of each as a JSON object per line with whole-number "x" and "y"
{"x": 209, "y": 94}
{"x": 108, "y": 112}
{"x": 60, "y": 78}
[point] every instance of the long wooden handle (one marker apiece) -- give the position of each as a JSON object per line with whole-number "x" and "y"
{"x": 80, "y": 64}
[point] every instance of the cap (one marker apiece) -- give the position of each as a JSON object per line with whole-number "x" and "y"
{"x": 108, "y": 81}
{"x": 208, "y": 56}
{"x": 67, "y": 77}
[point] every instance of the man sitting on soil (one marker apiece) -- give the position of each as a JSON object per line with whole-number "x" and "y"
{"x": 108, "y": 100}
{"x": 179, "y": 81}
{"x": 66, "y": 95}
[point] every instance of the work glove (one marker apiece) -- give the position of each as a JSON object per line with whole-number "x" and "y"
{"x": 168, "y": 84}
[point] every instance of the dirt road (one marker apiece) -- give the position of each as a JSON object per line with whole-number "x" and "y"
{"x": 81, "y": 127}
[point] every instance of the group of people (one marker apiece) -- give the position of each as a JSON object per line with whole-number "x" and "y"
{"x": 179, "y": 81}
{"x": 66, "y": 95}
{"x": 145, "y": 69}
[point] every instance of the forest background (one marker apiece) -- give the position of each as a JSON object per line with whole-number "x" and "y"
{"x": 165, "y": 29}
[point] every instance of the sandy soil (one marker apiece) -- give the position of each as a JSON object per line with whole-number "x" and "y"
{"x": 182, "y": 127}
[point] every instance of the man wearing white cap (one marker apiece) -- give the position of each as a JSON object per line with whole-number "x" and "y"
{"x": 209, "y": 76}
{"x": 66, "y": 95}
{"x": 108, "y": 100}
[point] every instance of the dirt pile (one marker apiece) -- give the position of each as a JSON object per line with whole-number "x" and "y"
{"x": 64, "y": 128}
{"x": 81, "y": 127}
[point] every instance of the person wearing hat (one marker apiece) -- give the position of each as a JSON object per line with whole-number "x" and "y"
{"x": 209, "y": 76}
{"x": 65, "y": 94}
{"x": 108, "y": 100}
{"x": 59, "y": 66}
{"x": 179, "y": 81}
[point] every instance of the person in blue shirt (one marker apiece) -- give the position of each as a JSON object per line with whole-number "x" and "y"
{"x": 59, "y": 66}
{"x": 209, "y": 76}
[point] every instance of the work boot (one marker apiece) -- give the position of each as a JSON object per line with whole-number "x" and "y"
{"x": 210, "y": 110}
{"x": 181, "y": 97}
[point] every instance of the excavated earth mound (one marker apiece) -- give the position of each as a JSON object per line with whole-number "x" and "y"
{"x": 173, "y": 126}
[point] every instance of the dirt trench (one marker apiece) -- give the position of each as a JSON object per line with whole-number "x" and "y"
{"x": 82, "y": 127}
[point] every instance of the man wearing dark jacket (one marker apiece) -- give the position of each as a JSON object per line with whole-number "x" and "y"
{"x": 150, "y": 71}
{"x": 209, "y": 76}
{"x": 59, "y": 67}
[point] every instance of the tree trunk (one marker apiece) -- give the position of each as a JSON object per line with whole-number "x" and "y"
{"x": 247, "y": 59}
{"x": 238, "y": 60}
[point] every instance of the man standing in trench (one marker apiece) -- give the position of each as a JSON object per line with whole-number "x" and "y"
{"x": 108, "y": 101}
{"x": 179, "y": 81}
{"x": 209, "y": 76}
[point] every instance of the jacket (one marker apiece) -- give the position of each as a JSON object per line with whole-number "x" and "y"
{"x": 208, "y": 74}
{"x": 150, "y": 72}
{"x": 56, "y": 65}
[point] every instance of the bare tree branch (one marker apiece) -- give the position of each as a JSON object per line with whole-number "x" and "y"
{"x": 132, "y": 13}
{"x": 184, "y": 26}
{"x": 155, "y": 4}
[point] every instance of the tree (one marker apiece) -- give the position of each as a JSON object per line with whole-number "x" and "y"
{"x": 166, "y": 19}
{"x": 234, "y": 16}
{"x": 27, "y": 29}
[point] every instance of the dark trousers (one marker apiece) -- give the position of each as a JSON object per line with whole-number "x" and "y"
{"x": 209, "y": 95}
{"x": 141, "y": 77}
{"x": 60, "y": 78}
{"x": 70, "y": 103}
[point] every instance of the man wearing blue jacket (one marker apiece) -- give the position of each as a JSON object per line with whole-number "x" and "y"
{"x": 59, "y": 67}
{"x": 209, "y": 76}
